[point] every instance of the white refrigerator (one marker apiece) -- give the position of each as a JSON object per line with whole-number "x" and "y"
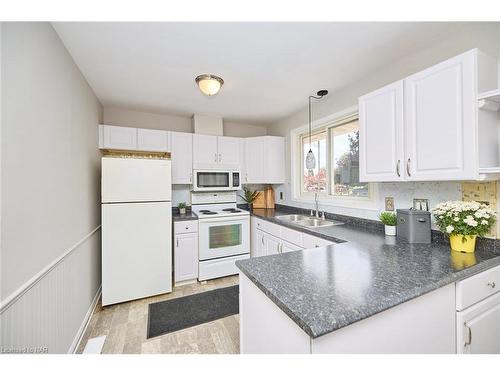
{"x": 136, "y": 228}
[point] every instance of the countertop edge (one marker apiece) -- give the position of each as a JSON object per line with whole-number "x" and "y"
{"x": 415, "y": 293}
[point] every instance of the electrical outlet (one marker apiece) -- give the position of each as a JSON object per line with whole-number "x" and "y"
{"x": 389, "y": 203}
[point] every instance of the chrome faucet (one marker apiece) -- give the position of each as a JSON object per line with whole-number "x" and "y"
{"x": 316, "y": 202}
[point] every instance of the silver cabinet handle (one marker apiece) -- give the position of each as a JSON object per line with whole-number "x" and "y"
{"x": 468, "y": 333}
{"x": 215, "y": 157}
{"x": 219, "y": 158}
{"x": 262, "y": 240}
{"x": 397, "y": 168}
{"x": 492, "y": 284}
{"x": 177, "y": 242}
{"x": 408, "y": 167}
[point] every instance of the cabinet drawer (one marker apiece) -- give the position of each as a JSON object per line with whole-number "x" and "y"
{"x": 309, "y": 241}
{"x": 477, "y": 287}
{"x": 268, "y": 227}
{"x": 292, "y": 236}
{"x": 188, "y": 226}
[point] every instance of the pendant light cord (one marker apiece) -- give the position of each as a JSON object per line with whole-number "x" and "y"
{"x": 311, "y": 97}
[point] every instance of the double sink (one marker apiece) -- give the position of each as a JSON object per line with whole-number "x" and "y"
{"x": 308, "y": 221}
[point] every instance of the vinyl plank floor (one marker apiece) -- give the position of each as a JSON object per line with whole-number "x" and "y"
{"x": 125, "y": 325}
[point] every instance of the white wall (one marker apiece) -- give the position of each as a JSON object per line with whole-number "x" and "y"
{"x": 139, "y": 119}
{"x": 484, "y": 36}
{"x": 128, "y": 117}
{"x": 50, "y": 187}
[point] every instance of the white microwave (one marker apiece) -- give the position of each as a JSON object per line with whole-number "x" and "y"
{"x": 210, "y": 180}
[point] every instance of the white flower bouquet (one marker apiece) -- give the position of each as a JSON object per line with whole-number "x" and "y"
{"x": 464, "y": 220}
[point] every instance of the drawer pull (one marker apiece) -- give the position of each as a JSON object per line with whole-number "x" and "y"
{"x": 492, "y": 284}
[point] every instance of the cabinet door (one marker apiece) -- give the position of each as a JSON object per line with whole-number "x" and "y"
{"x": 119, "y": 138}
{"x": 152, "y": 140}
{"x": 440, "y": 121}
{"x": 205, "y": 153}
{"x": 254, "y": 160}
{"x": 186, "y": 257}
{"x": 381, "y": 137}
{"x": 287, "y": 247}
{"x": 478, "y": 327}
{"x": 229, "y": 152}
{"x": 274, "y": 164}
{"x": 272, "y": 244}
{"x": 182, "y": 158}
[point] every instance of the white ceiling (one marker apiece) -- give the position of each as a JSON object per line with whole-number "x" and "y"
{"x": 269, "y": 69}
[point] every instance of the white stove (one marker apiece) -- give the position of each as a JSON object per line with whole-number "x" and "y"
{"x": 224, "y": 233}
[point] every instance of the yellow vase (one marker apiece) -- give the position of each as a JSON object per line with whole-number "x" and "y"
{"x": 462, "y": 243}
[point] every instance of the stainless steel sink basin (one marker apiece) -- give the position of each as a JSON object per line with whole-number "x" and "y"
{"x": 292, "y": 217}
{"x": 315, "y": 223}
{"x": 308, "y": 221}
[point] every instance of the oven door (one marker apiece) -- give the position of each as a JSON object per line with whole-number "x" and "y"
{"x": 212, "y": 181}
{"x": 223, "y": 236}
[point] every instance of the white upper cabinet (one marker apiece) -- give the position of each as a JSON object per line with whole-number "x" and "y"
{"x": 229, "y": 152}
{"x": 205, "y": 153}
{"x": 117, "y": 137}
{"x": 254, "y": 160}
{"x": 440, "y": 113}
{"x": 381, "y": 134}
{"x": 152, "y": 140}
{"x": 425, "y": 127}
{"x": 274, "y": 162}
{"x": 264, "y": 160}
{"x": 216, "y": 152}
{"x": 182, "y": 157}
{"x": 125, "y": 138}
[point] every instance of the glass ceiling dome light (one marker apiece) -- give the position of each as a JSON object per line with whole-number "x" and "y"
{"x": 310, "y": 158}
{"x": 209, "y": 84}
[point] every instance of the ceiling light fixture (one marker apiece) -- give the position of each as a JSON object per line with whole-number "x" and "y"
{"x": 209, "y": 84}
{"x": 310, "y": 158}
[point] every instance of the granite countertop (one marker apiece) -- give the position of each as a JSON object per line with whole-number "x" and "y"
{"x": 190, "y": 215}
{"x": 324, "y": 289}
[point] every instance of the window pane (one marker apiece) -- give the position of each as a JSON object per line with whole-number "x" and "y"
{"x": 315, "y": 179}
{"x": 345, "y": 161}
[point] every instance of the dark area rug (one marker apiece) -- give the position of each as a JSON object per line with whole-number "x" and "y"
{"x": 179, "y": 313}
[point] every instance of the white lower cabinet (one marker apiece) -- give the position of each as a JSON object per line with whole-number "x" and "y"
{"x": 269, "y": 238}
{"x": 478, "y": 313}
{"x": 185, "y": 251}
{"x": 478, "y": 327}
{"x": 272, "y": 244}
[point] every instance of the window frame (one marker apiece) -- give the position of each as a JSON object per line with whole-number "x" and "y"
{"x": 297, "y": 164}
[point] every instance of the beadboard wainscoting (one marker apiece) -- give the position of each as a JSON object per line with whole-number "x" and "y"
{"x": 50, "y": 312}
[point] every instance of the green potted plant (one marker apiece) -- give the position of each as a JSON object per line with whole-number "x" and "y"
{"x": 182, "y": 208}
{"x": 388, "y": 218}
{"x": 463, "y": 222}
{"x": 249, "y": 196}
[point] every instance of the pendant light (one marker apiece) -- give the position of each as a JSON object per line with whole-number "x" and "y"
{"x": 310, "y": 158}
{"x": 209, "y": 84}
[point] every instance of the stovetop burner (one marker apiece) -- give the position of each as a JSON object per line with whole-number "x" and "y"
{"x": 205, "y": 211}
{"x": 209, "y": 213}
{"x": 231, "y": 210}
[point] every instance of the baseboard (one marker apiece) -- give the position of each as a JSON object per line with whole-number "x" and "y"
{"x": 85, "y": 323}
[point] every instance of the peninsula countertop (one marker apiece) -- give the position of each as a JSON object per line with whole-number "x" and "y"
{"x": 364, "y": 273}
